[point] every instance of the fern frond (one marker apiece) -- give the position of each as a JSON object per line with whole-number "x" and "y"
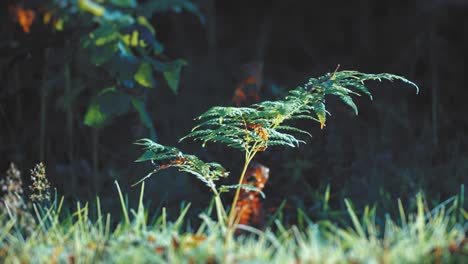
{"x": 166, "y": 157}
{"x": 293, "y": 129}
{"x": 256, "y": 127}
{"x": 220, "y": 111}
{"x": 287, "y": 139}
{"x": 247, "y": 187}
{"x": 349, "y": 101}
{"x": 362, "y": 77}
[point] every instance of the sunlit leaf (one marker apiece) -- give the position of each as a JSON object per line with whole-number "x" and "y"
{"x": 144, "y": 75}
{"x": 144, "y": 22}
{"x": 107, "y": 104}
{"x": 141, "y": 36}
{"x": 321, "y": 114}
{"x": 349, "y": 101}
{"x": 94, "y": 117}
{"x": 91, "y": 7}
{"x": 59, "y": 24}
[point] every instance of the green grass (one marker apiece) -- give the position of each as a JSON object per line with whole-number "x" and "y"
{"x": 422, "y": 236}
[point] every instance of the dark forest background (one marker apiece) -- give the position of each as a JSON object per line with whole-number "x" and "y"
{"x": 399, "y": 144}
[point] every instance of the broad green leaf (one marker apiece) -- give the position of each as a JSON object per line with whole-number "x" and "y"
{"x": 104, "y": 34}
{"x": 107, "y": 104}
{"x": 144, "y": 116}
{"x": 101, "y": 44}
{"x": 102, "y": 54}
{"x": 113, "y": 102}
{"x": 172, "y": 75}
{"x": 144, "y": 22}
{"x": 94, "y": 117}
{"x": 122, "y": 68}
{"x": 59, "y": 24}
{"x": 144, "y": 75}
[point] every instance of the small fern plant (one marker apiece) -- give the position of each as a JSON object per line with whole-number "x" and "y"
{"x": 254, "y": 129}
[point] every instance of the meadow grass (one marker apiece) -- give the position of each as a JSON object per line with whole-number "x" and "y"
{"x": 436, "y": 235}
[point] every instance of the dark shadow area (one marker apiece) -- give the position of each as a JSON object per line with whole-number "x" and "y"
{"x": 399, "y": 144}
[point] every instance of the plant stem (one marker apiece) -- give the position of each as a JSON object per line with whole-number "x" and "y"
{"x": 95, "y": 155}
{"x": 232, "y": 213}
{"x": 220, "y": 209}
{"x": 249, "y": 155}
{"x": 43, "y": 110}
{"x": 219, "y": 206}
{"x": 19, "y": 100}
{"x": 69, "y": 125}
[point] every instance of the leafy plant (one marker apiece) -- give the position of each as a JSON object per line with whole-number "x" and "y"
{"x": 105, "y": 53}
{"x": 253, "y": 129}
{"x": 118, "y": 53}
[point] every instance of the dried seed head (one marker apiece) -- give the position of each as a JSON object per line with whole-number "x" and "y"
{"x": 40, "y": 186}
{"x": 12, "y": 189}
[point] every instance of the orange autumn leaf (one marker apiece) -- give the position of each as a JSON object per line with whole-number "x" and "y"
{"x": 262, "y": 133}
{"x": 258, "y": 128}
{"x": 249, "y": 207}
{"x": 164, "y": 166}
{"x": 254, "y": 126}
{"x": 179, "y": 161}
{"x": 321, "y": 117}
{"x": 254, "y": 95}
{"x": 247, "y": 90}
{"x": 251, "y": 80}
{"x": 239, "y": 95}
{"x": 25, "y": 17}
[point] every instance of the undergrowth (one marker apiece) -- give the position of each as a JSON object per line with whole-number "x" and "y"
{"x": 420, "y": 236}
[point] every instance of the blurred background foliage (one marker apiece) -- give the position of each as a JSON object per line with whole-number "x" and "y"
{"x": 82, "y": 80}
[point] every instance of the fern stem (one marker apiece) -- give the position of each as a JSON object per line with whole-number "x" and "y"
{"x": 221, "y": 213}
{"x": 232, "y": 213}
